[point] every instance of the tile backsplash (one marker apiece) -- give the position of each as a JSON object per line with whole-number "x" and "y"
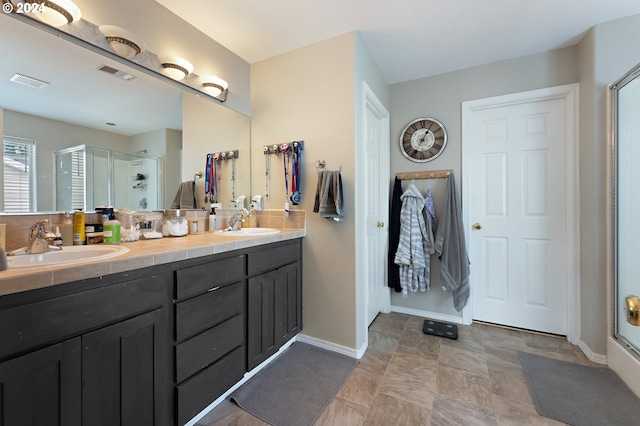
{"x": 18, "y": 226}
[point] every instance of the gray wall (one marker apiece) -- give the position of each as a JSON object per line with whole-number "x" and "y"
{"x": 440, "y": 97}
{"x": 606, "y": 54}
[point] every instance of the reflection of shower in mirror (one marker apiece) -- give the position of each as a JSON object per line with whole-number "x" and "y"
{"x": 87, "y": 177}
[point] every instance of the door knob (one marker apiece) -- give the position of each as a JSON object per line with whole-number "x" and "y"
{"x": 380, "y": 224}
{"x": 477, "y": 226}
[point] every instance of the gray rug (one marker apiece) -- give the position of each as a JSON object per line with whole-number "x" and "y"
{"x": 297, "y": 387}
{"x": 579, "y": 395}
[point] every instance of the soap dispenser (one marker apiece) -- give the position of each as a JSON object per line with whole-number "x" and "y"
{"x": 240, "y": 202}
{"x": 257, "y": 203}
{"x": 212, "y": 220}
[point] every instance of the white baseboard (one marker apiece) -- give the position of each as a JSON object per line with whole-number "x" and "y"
{"x": 353, "y": 353}
{"x": 427, "y": 314}
{"x": 597, "y": 358}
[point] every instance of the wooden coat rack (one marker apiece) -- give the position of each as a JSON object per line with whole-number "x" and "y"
{"x": 426, "y": 174}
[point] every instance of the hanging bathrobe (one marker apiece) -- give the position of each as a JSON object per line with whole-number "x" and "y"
{"x": 412, "y": 255}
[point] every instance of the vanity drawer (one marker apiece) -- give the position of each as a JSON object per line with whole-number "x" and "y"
{"x": 205, "y": 387}
{"x": 201, "y": 278}
{"x": 208, "y": 347}
{"x": 200, "y": 313}
{"x": 272, "y": 258}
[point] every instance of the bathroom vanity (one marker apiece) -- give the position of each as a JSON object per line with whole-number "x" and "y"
{"x": 152, "y": 345}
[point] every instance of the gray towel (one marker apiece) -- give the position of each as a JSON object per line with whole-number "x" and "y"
{"x": 329, "y": 202}
{"x": 185, "y": 197}
{"x": 450, "y": 246}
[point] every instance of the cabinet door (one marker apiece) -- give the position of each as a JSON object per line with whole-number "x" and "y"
{"x": 124, "y": 372}
{"x": 274, "y": 312}
{"x": 289, "y": 298}
{"x": 42, "y": 387}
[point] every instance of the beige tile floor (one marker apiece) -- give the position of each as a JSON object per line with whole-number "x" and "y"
{"x": 409, "y": 378}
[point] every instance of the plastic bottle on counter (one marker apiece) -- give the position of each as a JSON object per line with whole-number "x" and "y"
{"x": 57, "y": 241}
{"x": 111, "y": 230}
{"x": 66, "y": 228}
{"x": 212, "y": 220}
{"x": 79, "y": 236}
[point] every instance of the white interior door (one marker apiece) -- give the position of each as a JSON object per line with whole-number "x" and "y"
{"x": 518, "y": 203}
{"x": 376, "y": 138}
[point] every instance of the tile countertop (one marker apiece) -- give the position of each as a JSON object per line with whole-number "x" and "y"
{"x": 141, "y": 254}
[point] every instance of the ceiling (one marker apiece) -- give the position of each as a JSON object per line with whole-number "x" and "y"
{"x": 408, "y": 39}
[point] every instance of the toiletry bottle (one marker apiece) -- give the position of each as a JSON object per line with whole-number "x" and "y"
{"x": 212, "y": 220}
{"x": 57, "y": 241}
{"x": 66, "y": 229}
{"x": 79, "y": 237}
{"x": 111, "y": 230}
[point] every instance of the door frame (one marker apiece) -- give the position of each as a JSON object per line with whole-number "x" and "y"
{"x": 569, "y": 93}
{"x": 370, "y": 102}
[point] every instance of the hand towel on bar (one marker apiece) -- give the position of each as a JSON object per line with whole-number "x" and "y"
{"x": 329, "y": 202}
{"x": 412, "y": 255}
{"x": 450, "y": 246}
{"x": 185, "y": 197}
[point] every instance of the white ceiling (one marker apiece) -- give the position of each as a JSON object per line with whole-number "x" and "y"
{"x": 408, "y": 39}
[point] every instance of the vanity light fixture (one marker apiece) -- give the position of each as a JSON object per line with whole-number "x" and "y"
{"x": 58, "y": 12}
{"x": 123, "y": 42}
{"x": 214, "y": 85}
{"x": 176, "y": 67}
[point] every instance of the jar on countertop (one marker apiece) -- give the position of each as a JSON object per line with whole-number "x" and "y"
{"x": 175, "y": 223}
{"x": 129, "y": 226}
{"x": 151, "y": 224}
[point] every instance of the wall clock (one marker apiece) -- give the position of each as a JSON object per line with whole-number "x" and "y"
{"x": 423, "y": 140}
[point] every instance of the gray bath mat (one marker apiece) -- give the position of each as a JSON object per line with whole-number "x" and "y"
{"x": 577, "y": 394}
{"x": 297, "y": 387}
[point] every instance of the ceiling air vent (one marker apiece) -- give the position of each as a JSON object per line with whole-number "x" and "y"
{"x": 28, "y": 81}
{"x": 116, "y": 72}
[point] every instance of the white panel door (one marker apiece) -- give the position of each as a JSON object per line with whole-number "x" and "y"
{"x": 518, "y": 213}
{"x": 376, "y": 139}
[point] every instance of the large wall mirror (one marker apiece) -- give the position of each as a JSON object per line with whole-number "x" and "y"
{"x": 625, "y": 100}
{"x": 129, "y": 124}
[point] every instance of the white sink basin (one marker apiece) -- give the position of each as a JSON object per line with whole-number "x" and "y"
{"x": 249, "y": 232}
{"x": 68, "y": 255}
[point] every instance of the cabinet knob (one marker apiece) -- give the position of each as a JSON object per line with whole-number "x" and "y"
{"x": 380, "y": 224}
{"x": 477, "y": 226}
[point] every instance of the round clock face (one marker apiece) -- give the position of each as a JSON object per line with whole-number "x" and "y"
{"x": 423, "y": 140}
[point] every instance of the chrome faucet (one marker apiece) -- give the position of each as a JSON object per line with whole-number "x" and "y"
{"x": 39, "y": 240}
{"x": 235, "y": 223}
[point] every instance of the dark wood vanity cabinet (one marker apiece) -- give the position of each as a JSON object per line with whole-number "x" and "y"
{"x": 153, "y": 346}
{"x": 92, "y": 352}
{"x": 43, "y": 387}
{"x": 274, "y": 300}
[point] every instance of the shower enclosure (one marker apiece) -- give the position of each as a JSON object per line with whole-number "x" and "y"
{"x": 625, "y": 102}
{"x": 88, "y": 177}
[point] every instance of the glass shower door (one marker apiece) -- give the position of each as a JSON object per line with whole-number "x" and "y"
{"x": 626, "y": 102}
